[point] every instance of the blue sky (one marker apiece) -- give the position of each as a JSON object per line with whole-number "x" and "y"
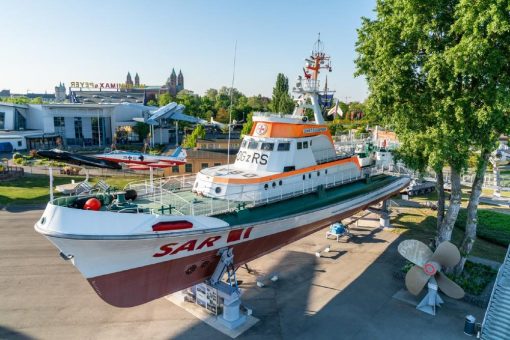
{"x": 45, "y": 42}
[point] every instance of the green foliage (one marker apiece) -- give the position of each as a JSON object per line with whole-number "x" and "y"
{"x": 336, "y": 127}
{"x": 141, "y": 129}
{"x": 152, "y": 102}
{"x": 22, "y": 100}
{"x": 247, "y": 125}
{"x": 164, "y": 99}
{"x": 281, "y": 101}
{"x": 190, "y": 141}
{"x": 492, "y": 226}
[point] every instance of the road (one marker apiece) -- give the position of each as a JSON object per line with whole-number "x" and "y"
{"x": 347, "y": 294}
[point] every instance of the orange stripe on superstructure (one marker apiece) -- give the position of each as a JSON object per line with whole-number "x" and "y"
{"x": 288, "y": 130}
{"x": 225, "y": 180}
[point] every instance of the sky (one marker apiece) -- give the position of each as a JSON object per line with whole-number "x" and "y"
{"x": 46, "y": 42}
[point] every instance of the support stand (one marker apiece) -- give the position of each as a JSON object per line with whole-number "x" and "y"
{"x": 431, "y": 300}
{"x": 384, "y": 216}
{"x": 230, "y": 292}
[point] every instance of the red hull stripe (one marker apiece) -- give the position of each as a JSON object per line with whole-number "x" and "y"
{"x": 234, "y": 235}
{"x": 173, "y": 225}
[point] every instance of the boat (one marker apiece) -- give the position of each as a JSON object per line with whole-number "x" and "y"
{"x": 287, "y": 181}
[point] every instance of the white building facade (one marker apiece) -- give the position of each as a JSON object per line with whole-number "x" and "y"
{"x": 43, "y": 126}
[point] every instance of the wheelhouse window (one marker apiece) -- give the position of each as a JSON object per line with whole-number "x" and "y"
{"x": 305, "y": 145}
{"x": 284, "y": 146}
{"x": 299, "y": 145}
{"x": 244, "y": 143}
{"x": 252, "y": 145}
{"x": 267, "y": 146}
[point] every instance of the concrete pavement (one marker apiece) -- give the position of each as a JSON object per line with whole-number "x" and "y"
{"x": 345, "y": 295}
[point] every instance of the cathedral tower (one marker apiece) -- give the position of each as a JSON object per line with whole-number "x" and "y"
{"x": 129, "y": 81}
{"x": 180, "y": 82}
{"x": 137, "y": 80}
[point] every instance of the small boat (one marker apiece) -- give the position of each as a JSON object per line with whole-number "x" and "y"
{"x": 287, "y": 182}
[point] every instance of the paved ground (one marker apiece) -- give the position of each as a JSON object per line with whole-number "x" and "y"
{"x": 347, "y": 295}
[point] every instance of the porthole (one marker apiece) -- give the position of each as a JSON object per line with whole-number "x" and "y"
{"x": 274, "y": 184}
{"x": 217, "y": 190}
{"x": 266, "y": 186}
{"x": 191, "y": 269}
{"x": 280, "y": 183}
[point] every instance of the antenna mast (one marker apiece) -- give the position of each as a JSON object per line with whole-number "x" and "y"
{"x": 230, "y": 109}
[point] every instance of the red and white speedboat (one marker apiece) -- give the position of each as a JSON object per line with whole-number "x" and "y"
{"x": 287, "y": 182}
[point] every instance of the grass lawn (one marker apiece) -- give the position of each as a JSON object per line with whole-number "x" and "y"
{"x": 33, "y": 189}
{"x": 420, "y": 224}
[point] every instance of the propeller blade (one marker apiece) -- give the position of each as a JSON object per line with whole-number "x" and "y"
{"x": 415, "y": 251}
{"x": 449, "y": 287}
{"x": 416, "y": 279}
{"x": 446, "y": 254}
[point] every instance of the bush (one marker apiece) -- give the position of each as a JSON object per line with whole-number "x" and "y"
{"x": 492, "y": 226}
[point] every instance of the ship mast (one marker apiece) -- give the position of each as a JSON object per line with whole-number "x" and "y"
{"x": 308, "y": 88}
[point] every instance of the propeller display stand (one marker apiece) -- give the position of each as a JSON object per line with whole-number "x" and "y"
{"x": 431, "y": 300}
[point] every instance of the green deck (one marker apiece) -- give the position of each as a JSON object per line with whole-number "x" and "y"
{"x": 306, "y": 202}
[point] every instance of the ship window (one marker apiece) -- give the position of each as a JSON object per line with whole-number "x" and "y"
{"x": 267, "y": 146}
{"x": 217, "y": 190}
{"x": 266, "y": 186}
{"x": 274, "y": 184}
{"x": 318, "y": 173}
{"x": 326, "y": 171}
{"x": 310, "y": 143}
{"x": 289, "y": 168}
{"x": 280, "y": 183}
{"x": 304, "y": 177}
{"x": 253, "y": 145}
{"x": 243, "y": 144}
{"x": 283, "y": 146}
{"x": 305, "y": 145}
{"x": 309, "y": 175}
{"x": 299, "y": 145}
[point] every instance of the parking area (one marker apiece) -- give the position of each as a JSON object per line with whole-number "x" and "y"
{"x": 346, "y": 294}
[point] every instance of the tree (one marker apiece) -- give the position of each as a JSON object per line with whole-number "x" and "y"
{"x": 402, "y": 55}
{"x": 142, "y": 130}
{"x": 152, "y": 102}
{"x": 438, "y": 73}
{"x": 247, "y": 125}
{"x": 164, "y": 99}
{"x": 190, "y": 141}
{"x": 281, "y": 101}
{"x": 481, "y": 63}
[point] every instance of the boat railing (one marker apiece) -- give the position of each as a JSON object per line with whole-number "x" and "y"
{"x": 172, "y": 183}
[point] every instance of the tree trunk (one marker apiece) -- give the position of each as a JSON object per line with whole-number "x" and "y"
{"x": 472, "y": 211}
{"x": 446, "y": 228}
{"x": 440, "y": 202}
